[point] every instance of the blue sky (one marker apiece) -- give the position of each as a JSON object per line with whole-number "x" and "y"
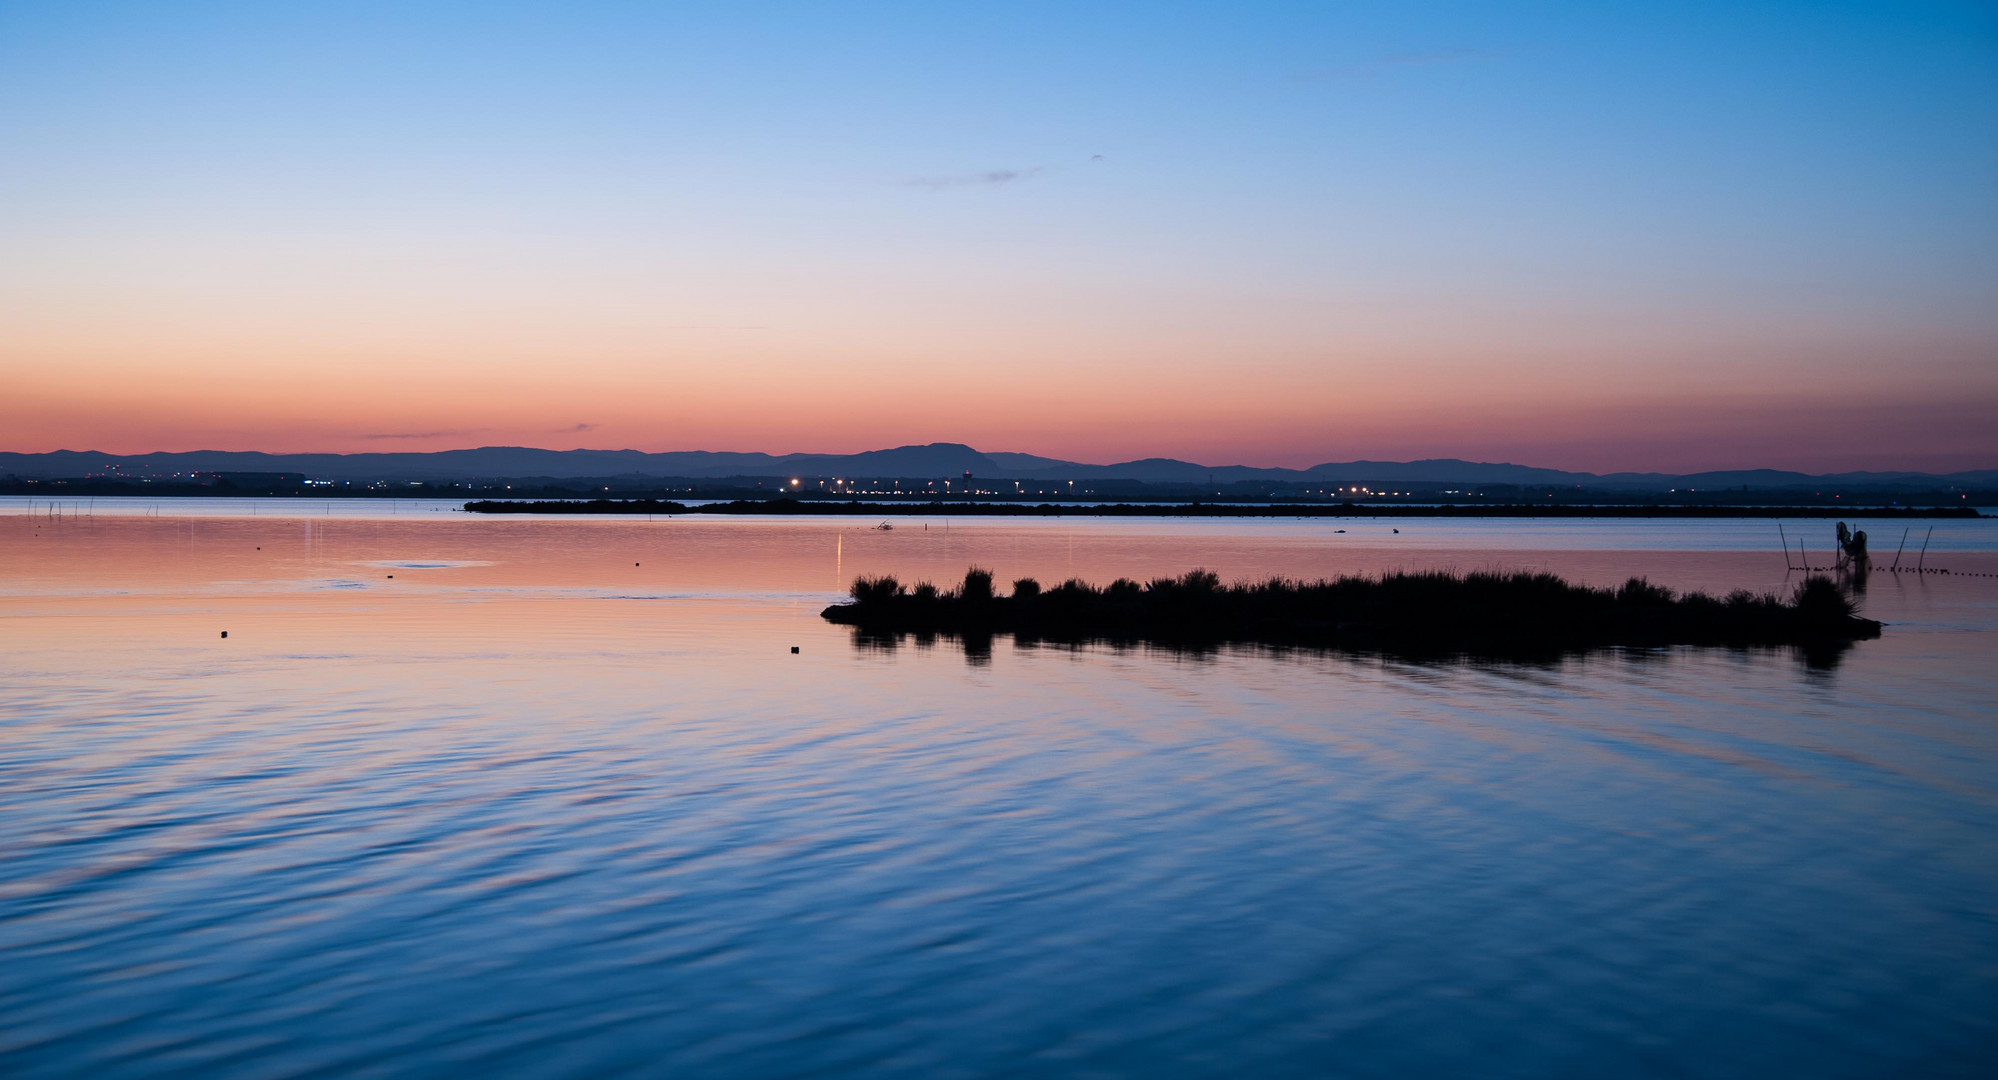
{"x": 1527, "y": 205}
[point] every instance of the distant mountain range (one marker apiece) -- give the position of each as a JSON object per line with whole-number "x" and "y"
{"x": 933, "y": 460}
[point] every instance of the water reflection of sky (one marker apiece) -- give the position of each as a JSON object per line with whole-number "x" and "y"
{"x": 1613, "y": 534}
{"x": 544, "y": 811}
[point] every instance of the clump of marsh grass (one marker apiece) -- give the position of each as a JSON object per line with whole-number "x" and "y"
{"x": 1425, "y": 612}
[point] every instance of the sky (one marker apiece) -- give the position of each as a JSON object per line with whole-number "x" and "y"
{"x": 1596, "y": 236}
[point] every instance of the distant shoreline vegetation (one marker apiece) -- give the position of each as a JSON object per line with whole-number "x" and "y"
{"x": 1501, "y": 615}
{"x": 1193, "y": 509}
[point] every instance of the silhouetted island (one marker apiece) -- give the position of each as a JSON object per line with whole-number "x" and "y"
{"x": 855, "y": 508}
{"x": 1422, "y": 614}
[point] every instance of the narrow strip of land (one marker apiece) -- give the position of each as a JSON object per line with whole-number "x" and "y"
{"x": 1491, "y": 614}
{"x": 827, "y": 508}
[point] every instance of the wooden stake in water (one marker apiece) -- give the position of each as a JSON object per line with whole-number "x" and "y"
{"x": 1925, "y": 549}
{"x": 1897, "y": 551}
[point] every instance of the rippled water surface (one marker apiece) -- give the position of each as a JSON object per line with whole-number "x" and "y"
{"x": 527, "y": 797}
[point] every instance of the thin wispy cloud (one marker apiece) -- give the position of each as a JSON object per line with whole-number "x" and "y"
{"x": 575, "y": 428}
{"x": 1372, "y": 68}
{"x": 987, "y": 178}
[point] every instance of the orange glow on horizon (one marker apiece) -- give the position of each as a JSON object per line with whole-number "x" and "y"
{"x": 1268, "y": 382}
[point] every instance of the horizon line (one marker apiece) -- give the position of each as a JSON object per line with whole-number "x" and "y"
{"x": 973, "y": 449}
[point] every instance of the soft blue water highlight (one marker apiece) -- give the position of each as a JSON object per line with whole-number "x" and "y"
{"x": 497, "y": 824}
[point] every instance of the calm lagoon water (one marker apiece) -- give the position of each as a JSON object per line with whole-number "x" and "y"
{"x": 556, "y": 799}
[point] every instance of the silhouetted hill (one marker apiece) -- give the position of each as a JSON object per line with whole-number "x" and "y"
{"x": 930, "y": 461}
{"x": 935, "y": 459}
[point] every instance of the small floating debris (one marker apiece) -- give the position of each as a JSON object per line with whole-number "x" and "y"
{"x": 794, "y": 650}
{"x": 225, "y": 633}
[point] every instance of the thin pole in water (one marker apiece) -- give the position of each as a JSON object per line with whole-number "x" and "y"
{"x": 1925, "y": 548}
{"x": 1898, "y": 550}
{"x": 1786, "y": 546}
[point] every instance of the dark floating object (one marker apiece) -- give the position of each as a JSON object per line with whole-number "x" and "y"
{"x": 1516, "y": 615}
{"x": 225, "y": 633}
{"x": 391, "y": 577}
{"x": 831, "y": 508}
{"x": 794, "y": 650}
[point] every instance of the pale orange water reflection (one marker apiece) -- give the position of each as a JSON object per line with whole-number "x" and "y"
{"x": 284, "y": 583}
